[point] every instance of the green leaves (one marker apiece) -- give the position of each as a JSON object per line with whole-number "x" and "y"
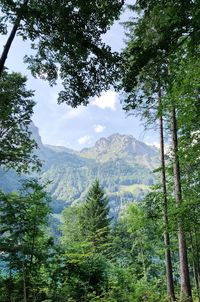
{"x": 161, "y": 28}
{"x": 24, "y": 243}
{"x": 16, "y": 109}
{"x": 67, "y": 39}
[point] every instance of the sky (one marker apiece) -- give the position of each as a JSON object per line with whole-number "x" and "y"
{"x": 78, "y": 128}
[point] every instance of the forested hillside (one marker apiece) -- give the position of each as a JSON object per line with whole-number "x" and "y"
{"x": 123, "y": 164}
{"x": 149, "y": 251}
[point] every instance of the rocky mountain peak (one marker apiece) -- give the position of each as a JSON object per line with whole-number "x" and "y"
{"x": 116, "y": 138}
{"x": 102, "y": 143}
{"x": 35, "y": 134}
{"x": 118, "y": 146}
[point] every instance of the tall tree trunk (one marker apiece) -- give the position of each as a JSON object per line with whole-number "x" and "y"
{"x": 195, "y": 266}
{"x": 10, "y": 39}
{"x": 10, "y": 286}
{"x": 197, "y": 256}
{"x": 168, "y": 261}
{"x": 143, "y": 260}
{"x": 24, "y": 285}
{"x": 186, "y": 294}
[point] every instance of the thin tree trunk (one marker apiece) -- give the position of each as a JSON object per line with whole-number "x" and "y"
{"x": 33, "y": 239}
{"x": 143, "y": 260}
{"x": 168, "y": 261}
{"x": 197, "y": 255}
{"x": 10, "y": 286}
{"x": 195, "y": 267}
{"x": 24, "y": 285}
{"x": 8, "y": 45}
{"x": 10, "y": 40}
{"x": 186, "y": 294}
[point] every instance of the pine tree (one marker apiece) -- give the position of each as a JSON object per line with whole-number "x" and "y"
{"x": 95, "y": 220}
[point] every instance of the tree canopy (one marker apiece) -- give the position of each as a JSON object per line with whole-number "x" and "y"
{"x": 16, "y": 108}
{"x": 67, "y": 39}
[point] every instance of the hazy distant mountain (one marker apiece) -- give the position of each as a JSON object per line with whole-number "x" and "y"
{"x": 121, "y": 163}
{"x": 126, "y": 147}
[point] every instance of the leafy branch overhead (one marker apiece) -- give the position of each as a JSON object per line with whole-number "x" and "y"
{"x": 159, "y": 29}
{"x": 66, "y": 37}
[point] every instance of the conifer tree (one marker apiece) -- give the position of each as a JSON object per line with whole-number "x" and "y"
{"x": 95, "y": 220}
{"x": 163, "y": 33}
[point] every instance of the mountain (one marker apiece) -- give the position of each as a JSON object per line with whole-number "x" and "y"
{"x": 121, "y": 163}
{"x": 118, "y": 146}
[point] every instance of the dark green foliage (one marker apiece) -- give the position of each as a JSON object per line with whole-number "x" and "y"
{"x": 159, "y": 74}
{"x": 94, "y": 217}
{"x": 131, "y": 268}
{"x": 97, "y": 260}
{"x": 85, "y": 240}
{"x": 24, "y": 243}
{"x": 16, "y": 109}
{"x": 159, "y": 29}
{"x": 67, "y": 39}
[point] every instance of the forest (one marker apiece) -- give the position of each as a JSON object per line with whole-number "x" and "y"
{"x": 151, "y": 251}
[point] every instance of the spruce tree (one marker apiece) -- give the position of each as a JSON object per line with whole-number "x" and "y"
{"x": 95, "y": 219}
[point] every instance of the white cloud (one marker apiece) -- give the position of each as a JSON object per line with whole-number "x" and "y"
{"x": 153, "y": 144}
{"x": 99, "y": 128}
{"x": 61, "y": 142}
{"x": 74, "y": 112}
{"x": 156, "y": 144}
{"x": 84, "y": 139}
{"x": 106, "y": 100}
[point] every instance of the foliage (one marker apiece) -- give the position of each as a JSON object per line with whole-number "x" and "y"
{"x": 94, "y": 217}
{"x": 24, "y": 243}
{"x": 66, "y": 37}
{"x": 90, "y": 274}
{"x": 159, "y": 74}
{"x": 96, "y": 259}
{"x": 158, "y": 30}
{"x": 16, "y": 109}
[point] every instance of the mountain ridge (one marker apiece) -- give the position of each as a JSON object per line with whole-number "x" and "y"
{"x": 121, "y": 163}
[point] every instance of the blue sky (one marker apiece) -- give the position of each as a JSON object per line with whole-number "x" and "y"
{"x": 81, "y": 127}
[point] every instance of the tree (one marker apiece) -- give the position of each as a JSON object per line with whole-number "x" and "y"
{"x": 94, "y": 219}
{"x": 86, "y": 272}
{"x": 163, "y": 32}
{"x": 146, "y": 98}
{"x": 24, "y": 243}
{"x": 136, "y": 246}
{"x": 85, "y": 237}
{"x": 161, "y": 28}
{"x": 67, "y": 39}
{"x": 168, "y": 258}
{"x": 16, "y": 109}
{"x": 184, "y": 97}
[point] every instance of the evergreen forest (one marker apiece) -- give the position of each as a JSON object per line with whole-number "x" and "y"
{"x": 150, "y": 249}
